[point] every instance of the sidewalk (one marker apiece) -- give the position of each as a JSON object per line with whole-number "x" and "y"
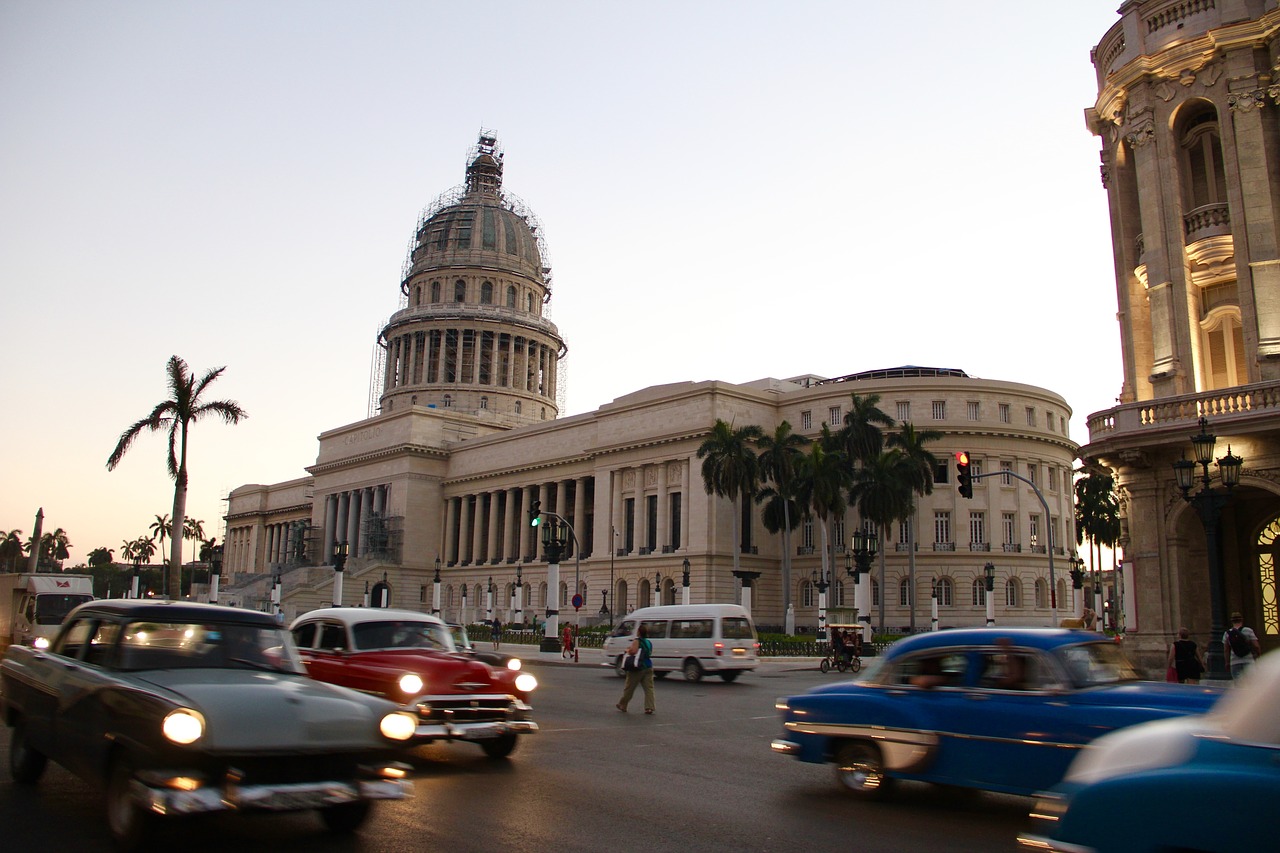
{"x": 595, "y": 657}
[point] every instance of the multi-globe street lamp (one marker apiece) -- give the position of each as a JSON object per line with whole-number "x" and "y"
{"x": 863, "y": 552}
{"x": 339, "y": 557}
{"x": 821, "y": 578}
{"x": 989, "y": 581}
{"x": 1209, "y": 504}
{"x": 684, "y": 582}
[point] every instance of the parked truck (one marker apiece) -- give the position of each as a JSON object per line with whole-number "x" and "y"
{"x": 32, "y": 606}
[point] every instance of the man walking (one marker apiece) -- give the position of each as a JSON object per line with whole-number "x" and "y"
{"x": 1240, "y": 645}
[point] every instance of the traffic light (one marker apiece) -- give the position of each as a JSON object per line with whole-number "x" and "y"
{"x": 963, "y": 477}
{"x": 535, "y": 514}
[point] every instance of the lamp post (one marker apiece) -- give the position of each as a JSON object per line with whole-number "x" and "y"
{"x": 365, "y": 600}
{"x": 488, "y": 600}
{"x": 657, "y": 588}
{"x": 1209, "y": 504}
{"x": 555, "y": 539}
{"x": 339, "y": 564}
{"x": 989, "y": 581}
{"x": 863, "y": 550}
{"x": 684, "y": 582}
{"x": 613, "y": 552}
{"x": 435, "y": 590}
{"x": 277, "y": 591}
{"x": 519, "y": 594}
{"x": 137, "y": 566}
{"x": 1077, "y": 585}
{"x": 215, "y": 572}
{"x": 933, "y": 607}
{"x": 821, "y": 579}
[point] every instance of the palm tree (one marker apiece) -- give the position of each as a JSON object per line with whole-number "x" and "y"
{"x": 160, "y": 529}
{"x": 863, "y": 430}
{"x": 100, "y": 557}
{"x": 176, "y": 414}
{"x": 193, "y": 529}
{"x": 780, "y": 458}
{"x": 55, "y": 546}
{"x": 1097, "y": 515}
{"x": 918, "y": 468}
{"x": 12, "y": 548}
{"x": 881, "y": 491}
{"x": 828, "y": 475}
{"x": 730, "y": 469}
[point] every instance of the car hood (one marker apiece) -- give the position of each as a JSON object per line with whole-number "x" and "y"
{"x": 1156, "y": 695}
{"x": 274, "y": 711}
{"x": 438, "y": 666}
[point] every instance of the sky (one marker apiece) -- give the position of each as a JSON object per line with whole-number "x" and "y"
{"x": 728, "y": 190}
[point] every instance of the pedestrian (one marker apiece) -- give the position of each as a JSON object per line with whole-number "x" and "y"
{"x": 1240, "y": 646}
{"x": 1089, "y": 619}
{"x": 837, "y": 645}
{"x": 643, "y": 676}
{"x": 566, "y": 641}
{"x": 497, "y": 631}
{"x": 1184, "y": 657}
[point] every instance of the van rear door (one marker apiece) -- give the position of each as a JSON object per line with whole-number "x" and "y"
{"x": 739, "y": 637}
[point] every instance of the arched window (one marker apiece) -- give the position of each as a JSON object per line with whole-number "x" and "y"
{"x": 1204, "y": 180}
{"x": 564, "y": 594}
{"x": 542, "y": 595}
{"x": 544, "y": 413}
{"x": 518, "y": 407}
{"x": 837, "y": 593}
{"x": 417, "y": 294}
{"x": 945, "y": 590}
{"x": 1013, "y": 593}
{"x": 459, "y": 291}
{"x": 875, "y": 593}
{"x": 807, "y": 598}
{"x": 511, "y": 297}
{"x": 1042, "y": 592}
{"x": 528, "y": 302}
{"x": 1062, "y": 591}
{"x": 435, "y": 291}
{"x": 904, "y": 592}
{"x": 486, "y": 293}
{"x": 620, "y": 604}
{"x": 1222, "y": 342}
{"x": 980, "y": 593}
{"x": 646, "y": 593}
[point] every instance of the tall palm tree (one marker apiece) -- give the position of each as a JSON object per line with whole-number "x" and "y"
{"x": 55, "y": 547}
{"x": 160, "y": 530}
{"x": 12, "y": 548}
{"x": 918, "y": 467}
{"x": 1097, "y": 515}
{"x": 100, "y": 557}
{"x": 730, "y": 469}
{"x": 780, "y": 458}
{"x": 863, "y": 430}
{"x": 881, "y": 491}
{"x": 184, "y": 407}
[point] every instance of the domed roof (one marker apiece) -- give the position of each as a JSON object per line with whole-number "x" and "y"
{"x": 479, "y": 223}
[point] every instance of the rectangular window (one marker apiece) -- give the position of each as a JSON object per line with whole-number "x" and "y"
{"x": 1031, "y": 473}
{"x": 975, "y": 469}
{"x": 838, "y": 537}
{"x": 651, "y": 522}
{"x": 629, "y": 525}
{"x": 1004, "y": 413}
{"x": 1053, "y": 479}
{"x": 1031, "y": 416}
{"x": 806, "y": 534}
{"x": 904, "y": 532}
{"x": 1009, "y": 524}
{"x": 833, "y": 415}
{"x": 674, "y": 502}
{"x": 973, "y": 410}
{"x": 939, "y": 410}
{"x": 1006, "y": 468}
{"x": 977, "y": 528}
{"x": 942, "y": 527}
{"x": 941, "y": 473}
{"x": 1035, "y": 531}
{"x": 904, "y": 411}
{"x": 806, "y": 420}
{"x": 1057, "y": 535}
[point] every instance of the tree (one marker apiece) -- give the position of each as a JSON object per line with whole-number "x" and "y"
{"x": 863, "y": 432}
{"x": 160, "y": 530}
{"x": 12, "y": 548}
{"x": 918, "y": 467}
{"x": 184, "y": 407}
{"x": 54, "y": 547}
{"x": 881, "y": 491}
{"x": 780, "y": 459}
{"x": 730, "y": 469}
{"x": 1097, "y": 514}
{"x": 101, "y": 557}
{"x": 825, "y": 477}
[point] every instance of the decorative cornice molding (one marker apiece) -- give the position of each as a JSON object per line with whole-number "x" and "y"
{"x": 1143, "y": 134}
{"x": 1243, "y": 102}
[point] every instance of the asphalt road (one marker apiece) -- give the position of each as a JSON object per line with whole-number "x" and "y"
{"x": 696, "y": 776}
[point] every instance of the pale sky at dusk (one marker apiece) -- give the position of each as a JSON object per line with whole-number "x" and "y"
{"x": 729, "y": 190}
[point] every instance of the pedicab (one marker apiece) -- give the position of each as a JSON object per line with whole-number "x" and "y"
{"x": 848, "y": 657}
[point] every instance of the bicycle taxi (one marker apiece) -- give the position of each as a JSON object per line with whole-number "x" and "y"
{"x": 850, "y": 656}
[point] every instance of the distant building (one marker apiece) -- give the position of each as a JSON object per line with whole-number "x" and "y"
{"x": 1188, "y": 112}
{"x": 467, "y": 435}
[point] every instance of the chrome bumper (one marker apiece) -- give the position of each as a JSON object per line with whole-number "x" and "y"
{"x": 1039, "y": 842}
{"x": 784, "y": 747}
{"x": 474, "y": 731}
{"x": 290, "y": 797}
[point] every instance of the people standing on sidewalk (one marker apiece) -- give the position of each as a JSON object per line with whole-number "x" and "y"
{"x": 566, "y": 641}
{"x": 1184, "y": 657}
{"x": 643, "y": 676}
{"x": 497, "y": 631}
{"x": 1240, "y": 645}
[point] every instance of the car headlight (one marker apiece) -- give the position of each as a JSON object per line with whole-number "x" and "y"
{"x": 514, "y": 664}
{"x": 526, "y": 683}
{"x": 40, "y": 642}
{"x": 398, "y": 725}
{"x": 411, "y": 684}
{"x": 183, "y": 726}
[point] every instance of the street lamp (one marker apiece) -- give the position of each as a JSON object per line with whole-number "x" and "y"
{"x": 137, "y": 566}
{"x": 555, "y": 539}
{"x": 339, "y": 564}
{"x": 215, "y": 572}
{"x": 821, "y": 578}
{"x": 684, "y": 582}
{"x": 1077, "y": 583}
{"x": 657, "y": 587}
{"x": 863, "y": 552}
{"x": 519, "y": 593}
{"x": 435, "y": 590}
{"x": 933, "y": 607}
{"x": 1209, "y": 504}
{"x": 989, "y": 580}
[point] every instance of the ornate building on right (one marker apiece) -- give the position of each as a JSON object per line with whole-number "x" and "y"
{"x": 1188, "y": 112}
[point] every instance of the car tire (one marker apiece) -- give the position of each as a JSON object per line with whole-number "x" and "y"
{"x": 346, "y": 818}
{"x": 499, "y": 747}
{"x": 130, "y": 824}
{"x": 860, "y": 770}
{"x": 26, "y": 764}
{"x": 692, "y": 670}
{"x": 825, "y": 666}
{"x": 731, "y": 675}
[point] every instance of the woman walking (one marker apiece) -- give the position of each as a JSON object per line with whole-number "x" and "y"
{"x": 1184, "y": 657}
{"x": 642, "y": 675}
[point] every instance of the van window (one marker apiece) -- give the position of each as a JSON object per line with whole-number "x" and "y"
{"x": 691, "y": 629}
{"x": 52, "y": 608}
{"x": 657, "y": 629}
{"x": 736, "y": 628}
{"x": 624, "y": 629}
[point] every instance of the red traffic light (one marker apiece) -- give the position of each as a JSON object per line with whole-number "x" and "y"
{"x": 962, "y": 458}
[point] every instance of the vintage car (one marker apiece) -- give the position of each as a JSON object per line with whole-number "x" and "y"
{"x": 1204, "y": 783}
{"x": 493, "y": 657}
{"x": 990, "y": 708}
{"x": 180, "y": 709}
{"x": 410, "y": 658}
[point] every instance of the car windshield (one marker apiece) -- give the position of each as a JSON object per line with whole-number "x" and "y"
{"x": 402, "y": 635}
{"x": 1094, "y": 664}
{"x": 205, "y": 645}
{"x": 460, "y": 638}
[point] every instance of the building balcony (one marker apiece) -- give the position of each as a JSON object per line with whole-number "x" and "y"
{"x": 944, "y": 546}
{"x": 1208, "y": 220}
{"x": 1243, "y": 409}
{"x": 1011, "y": 548}
{"x": 979, "y": 546}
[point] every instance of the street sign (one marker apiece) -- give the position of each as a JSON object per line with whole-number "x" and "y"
{"x": 577, "y": 602}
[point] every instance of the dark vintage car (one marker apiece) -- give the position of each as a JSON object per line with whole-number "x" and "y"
{"x": 180, "y": 709}
{"x": 990, "y": 708}
{"x": 1205, "y": 783}
{"x": 491, "y": 656}
{"x": 410, "y": 658}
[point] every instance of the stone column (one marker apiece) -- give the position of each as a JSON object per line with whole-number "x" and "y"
{"x": 515, "y": 520}
{"x": 477, "y": 530}
{"x": 580, "y": 513}
{"x": 450, "y": 537}
{"x": 464, "y": 530}
{"x": 495, "y": 519}
{"x": 353, "y": 523}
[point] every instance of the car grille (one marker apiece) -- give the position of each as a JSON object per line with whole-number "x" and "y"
{"x": 466, "y": 709}
{"x": 289, "y": 769}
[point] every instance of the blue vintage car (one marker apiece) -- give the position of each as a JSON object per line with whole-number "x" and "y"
{"x": 1001, "y": 709}
{"x": 1208, "y": 783}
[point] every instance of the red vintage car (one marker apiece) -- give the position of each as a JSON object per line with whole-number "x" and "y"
{"x": 410, "y": 658}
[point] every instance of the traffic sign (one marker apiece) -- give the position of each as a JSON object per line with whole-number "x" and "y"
{"x": 577, "y": 602}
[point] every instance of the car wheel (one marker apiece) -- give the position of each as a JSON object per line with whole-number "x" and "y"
{"x": 861, "y": 770}
{"x": 26, "y": 764}
{"x": 692, "y": 670}
{"x": 499, "y": 747}
{"x": 129, "y": 822}
{"x": 731, "y": 675}
{"x": 347, "y": 817}
{"x": 825, "y": 666}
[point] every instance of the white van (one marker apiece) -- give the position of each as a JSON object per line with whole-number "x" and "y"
{"x": 718, "y": 639}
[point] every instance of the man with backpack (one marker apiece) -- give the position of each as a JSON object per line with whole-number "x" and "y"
{"x": 1240, "y": 645}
